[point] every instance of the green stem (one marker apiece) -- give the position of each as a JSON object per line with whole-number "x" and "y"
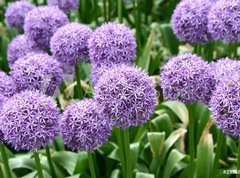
{"x": 137, "y": 25}
{"x": 230, "y": 50}
{"x": 105, "y": 10}
{"x": 36, "y": 2}
{"x": 50, "y": 162}
{"x": 38, "y": 164}
{"x": 91, "y": 165}
{"x": 5, "y": 161}
{"x": 220, "y": 141}
{"x": 127, "y": 153}
{"x": 121, "y": 150}
{"x": 191, "y": 139}
{"x": 109, "y": 10}
{"x": 80, "y": 93}
{"x": 238, "y": 160}
{"x": 96, "y": 11}
{"x": 120, "y": 19}
{"x": 1, "y": 172}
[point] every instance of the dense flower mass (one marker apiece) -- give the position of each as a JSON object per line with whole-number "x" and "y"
{"x": 64, "y": 5}
{"x": 69, "y": 44}
{"x": 42, "y": 22}
{"x": 38, "y": 72}
{"x": 224, "y": 20}
{"x": 82, "y": 127}
{"x": 224, "y": 67}
{"x": 127, "y": 96}
{"x": 19, "y": 47}
{"x": 16, "y": 12}
{"x": 190, "y": 21}
{"x": 7, "y": 85}
{"x": 225, "y": 105}
{"x": 112, "y": 43}
{"x": 29, "y": 120}
{"x": 187, "y": 78}
{"x": 3, "y": 99}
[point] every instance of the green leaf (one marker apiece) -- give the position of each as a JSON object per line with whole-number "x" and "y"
{"x": 170, "y": 40}
{"x": 179, "y": 109}
{"x": 161, "y": 123}
{"x": 116, "y": 174}
{"x": 144, "y": 59}
{"x": 205, "y": 156}
{"x": 144, "y": 175}
{"x": 67, "y": 160}
{"x": 173, "y": 159}
{"x": 22, "y": 161}
{"x": 134, "y": 151}
{"x": 82, "y": 163}
{"x": 156, "y": 140}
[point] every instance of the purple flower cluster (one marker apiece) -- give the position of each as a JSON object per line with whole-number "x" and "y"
{"x": 82, "y": 127}
{"x": 223, "y": 68}
{"x": 224, "y": 105}
{"x": 29, "y": 120}
{"x": 224, "y": 20}
{"x": 3, "y": 99}
{"x": 190, "y": 21}
{"x": 187, "y": 78}
{"x": 112, "y": 43}
{"x": 16, "y": 12}
{"x": 69, "y": 44}
{"x": 42, "y": 22}
{"x": 64, "y": 5}
{"x": 7, "y": 85}
{"x": 19, "y": 47}
{"x": 37, "y": 72}
{"x": 127, "y": 96}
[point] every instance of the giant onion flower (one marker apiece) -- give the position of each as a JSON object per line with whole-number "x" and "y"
{"x": 64, "y": 5}
{"x": 127, "y": 96}
{"x": 16, "y": 12}
{"x": 82, "y": 127}
{"x": 42, "y": 22}
{"x": 190, "y": 21}
{"x": 69, "y": 44}
{"x": 187, "y": 78}
{"x": 29, "y": 120}
{"x": 37, "y": 72}
{"x": 7, "y": 85}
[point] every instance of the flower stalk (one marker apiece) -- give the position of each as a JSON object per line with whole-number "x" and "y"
{"x": 91, "y": 165}
{"x": 38, "y": 164}
{"x": 50, "y": 162}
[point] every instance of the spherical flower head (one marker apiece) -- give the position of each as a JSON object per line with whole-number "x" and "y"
{"x": 16, "y": 12}
{"x": 187, "y": 78}
{"x": 223, "y": 68}
{"x": 42, "y": 22}
{"x": 7, "y": 85}
{"x": 223, "y": 21}
{"x": 29, "y": 120}
{"x": 113, "y": 43}
{"x": 97, "y": 70}
{"x": 190, "y": 21}
{"x": 69, "y": 44}
{"x": 38, "y": 72}
{"x": 82, "y": 127}
{"x": 225, "y": 105}
{"x": 19, "y": 47}
{"x": 3, "y": 99}
{"x": 127, "y": 96}
{"x": 64, "y": 5}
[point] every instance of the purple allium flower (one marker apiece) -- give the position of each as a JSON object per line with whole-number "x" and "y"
{"x": 3, "y": 99}
{"x": 190, "y": 21}
{"x": 16, "y": 12}
{"x": 82, "y": 127}
{"x": 29, "y": 120}
{"x": 38, "y": 72}
{"x": 19, "y": 47}
{"x": 224, "y": 105}
{"x": 64, "y": 5}
{"x": 69, "y": 44}
{"x": 187, "y": 78}
{"x": 7, "y": 85}
{"x": 224, "y": 20}
{"x": 223, "y": 68}
{"x": 127, "y": 96}
{"x": 42, "y": 22}
{"x": 112, "y": 43}
{"x": 97, "y": 70}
